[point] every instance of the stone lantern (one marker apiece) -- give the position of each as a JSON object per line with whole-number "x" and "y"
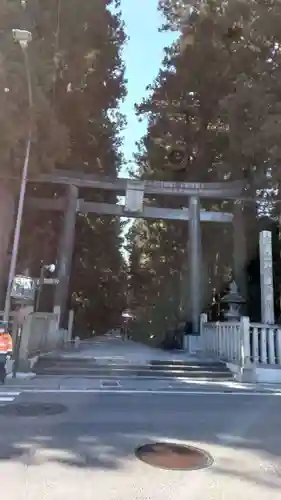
{"x": 233, "y": 300}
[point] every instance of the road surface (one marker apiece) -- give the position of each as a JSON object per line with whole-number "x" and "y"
{"x": 87, "y": 452}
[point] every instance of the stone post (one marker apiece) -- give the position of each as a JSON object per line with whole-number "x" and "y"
{"x": 22, "y": 321}
{"x": 70, "y": 325}
{"x": 266, "y": 278}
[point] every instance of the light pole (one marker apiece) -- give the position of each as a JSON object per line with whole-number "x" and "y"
{"x": 23, "y": 37}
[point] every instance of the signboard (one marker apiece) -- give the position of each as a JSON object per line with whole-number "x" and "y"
{"x": 23, "y": 288}
{"x": 51, "y": 281}
{"x": 266, "y": 278}
{"x": 47, "y": 281}
{"x": 134, "y": 197}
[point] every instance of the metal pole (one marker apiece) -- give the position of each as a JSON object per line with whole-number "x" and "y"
{"x": 66, "y": 248}
{"x": 195, "y": 263}
{"x": 21, "y": 196}
{"x": 17, "y": 351}
{"x": 39, "y": 290}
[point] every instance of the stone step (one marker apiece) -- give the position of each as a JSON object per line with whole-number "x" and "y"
{"x": 193, "y": 362}
{"x": 75, "y": 365}
{"x": 131, "y": 368}
{"x": 209, "y": 377}
{"x": 117, "y": 360}
{"x": 155, "y": 365}
{"x": 119, "y": 373}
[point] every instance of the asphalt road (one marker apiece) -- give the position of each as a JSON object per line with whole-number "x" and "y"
{"x": 87, "y": 452}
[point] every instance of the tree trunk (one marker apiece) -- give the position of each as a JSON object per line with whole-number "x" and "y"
{"x": 7, "y": 214}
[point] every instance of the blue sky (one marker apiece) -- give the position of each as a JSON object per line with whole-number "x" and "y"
{"x": 143, "y": 55}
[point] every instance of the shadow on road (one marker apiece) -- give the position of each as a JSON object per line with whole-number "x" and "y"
{"x": 104, "y": 433}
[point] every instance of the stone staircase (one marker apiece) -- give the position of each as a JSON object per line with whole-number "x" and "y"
{"x": 119, "y": 369}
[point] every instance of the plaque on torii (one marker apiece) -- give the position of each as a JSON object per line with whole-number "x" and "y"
{"x": 134, "y": 197}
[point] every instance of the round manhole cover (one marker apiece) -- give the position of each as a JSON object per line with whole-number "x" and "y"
{"x": 174, "y": 456}
{"x": 32, "y": 409}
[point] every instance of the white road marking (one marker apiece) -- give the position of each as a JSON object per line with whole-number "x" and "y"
{"x": 9, "y": 393}
{"x": 150, "y": 391}
{"x": 8, "y": 397}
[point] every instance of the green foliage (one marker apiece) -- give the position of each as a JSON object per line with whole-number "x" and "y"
{"x": 49, "y": 136}
{"x": 82, "y": 43}
{"x": 217, "y": 101}
{"x": 218, "y": 95}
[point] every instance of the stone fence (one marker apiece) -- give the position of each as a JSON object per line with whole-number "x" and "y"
{"x": 245, "y": 345}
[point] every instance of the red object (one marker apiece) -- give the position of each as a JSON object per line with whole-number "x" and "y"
{"x": 6, "y": 343}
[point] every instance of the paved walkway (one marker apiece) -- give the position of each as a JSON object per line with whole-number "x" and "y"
{"x": 110, "y": 349}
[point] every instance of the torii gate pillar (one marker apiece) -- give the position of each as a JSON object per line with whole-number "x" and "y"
{"x": 240, "y": 249}
{"x": 66, "y": 245}
{"x": 195, "y": 259}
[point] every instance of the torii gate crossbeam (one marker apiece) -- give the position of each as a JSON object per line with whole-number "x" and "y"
{"x": 192, "y": 191}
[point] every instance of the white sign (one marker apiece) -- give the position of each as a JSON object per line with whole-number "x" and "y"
{"x": 47, "y": 281}
{"x": 134, "y": 197}
{"x": 266, "y": 278}
{"x": 51, "y": 281}
{"x": 23, "y": 288}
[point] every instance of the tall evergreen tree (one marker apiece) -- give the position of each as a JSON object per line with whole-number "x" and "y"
{"x": 214, "y": 113}
{"x": 82, "y": 42}
{"x": 49, "y": 136}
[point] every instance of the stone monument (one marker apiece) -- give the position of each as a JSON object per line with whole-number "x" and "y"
{"x": 266, "y": 278}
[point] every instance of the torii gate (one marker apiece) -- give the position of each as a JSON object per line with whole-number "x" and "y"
{"x": 134, "y": 191}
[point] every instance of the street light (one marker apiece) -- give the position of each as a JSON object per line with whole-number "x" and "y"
{"x": 127, "y": 316}
{"x": 23, "y": 37}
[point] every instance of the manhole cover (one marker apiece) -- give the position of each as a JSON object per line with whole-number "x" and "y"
{"x": 174, "y": 456}
{"x": 32, "y": 409}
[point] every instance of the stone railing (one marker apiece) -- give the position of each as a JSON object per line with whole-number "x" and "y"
{"x": 241, "y": 343}
{"x": 265, "y": 344}
{"x": 221, "y": 340}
